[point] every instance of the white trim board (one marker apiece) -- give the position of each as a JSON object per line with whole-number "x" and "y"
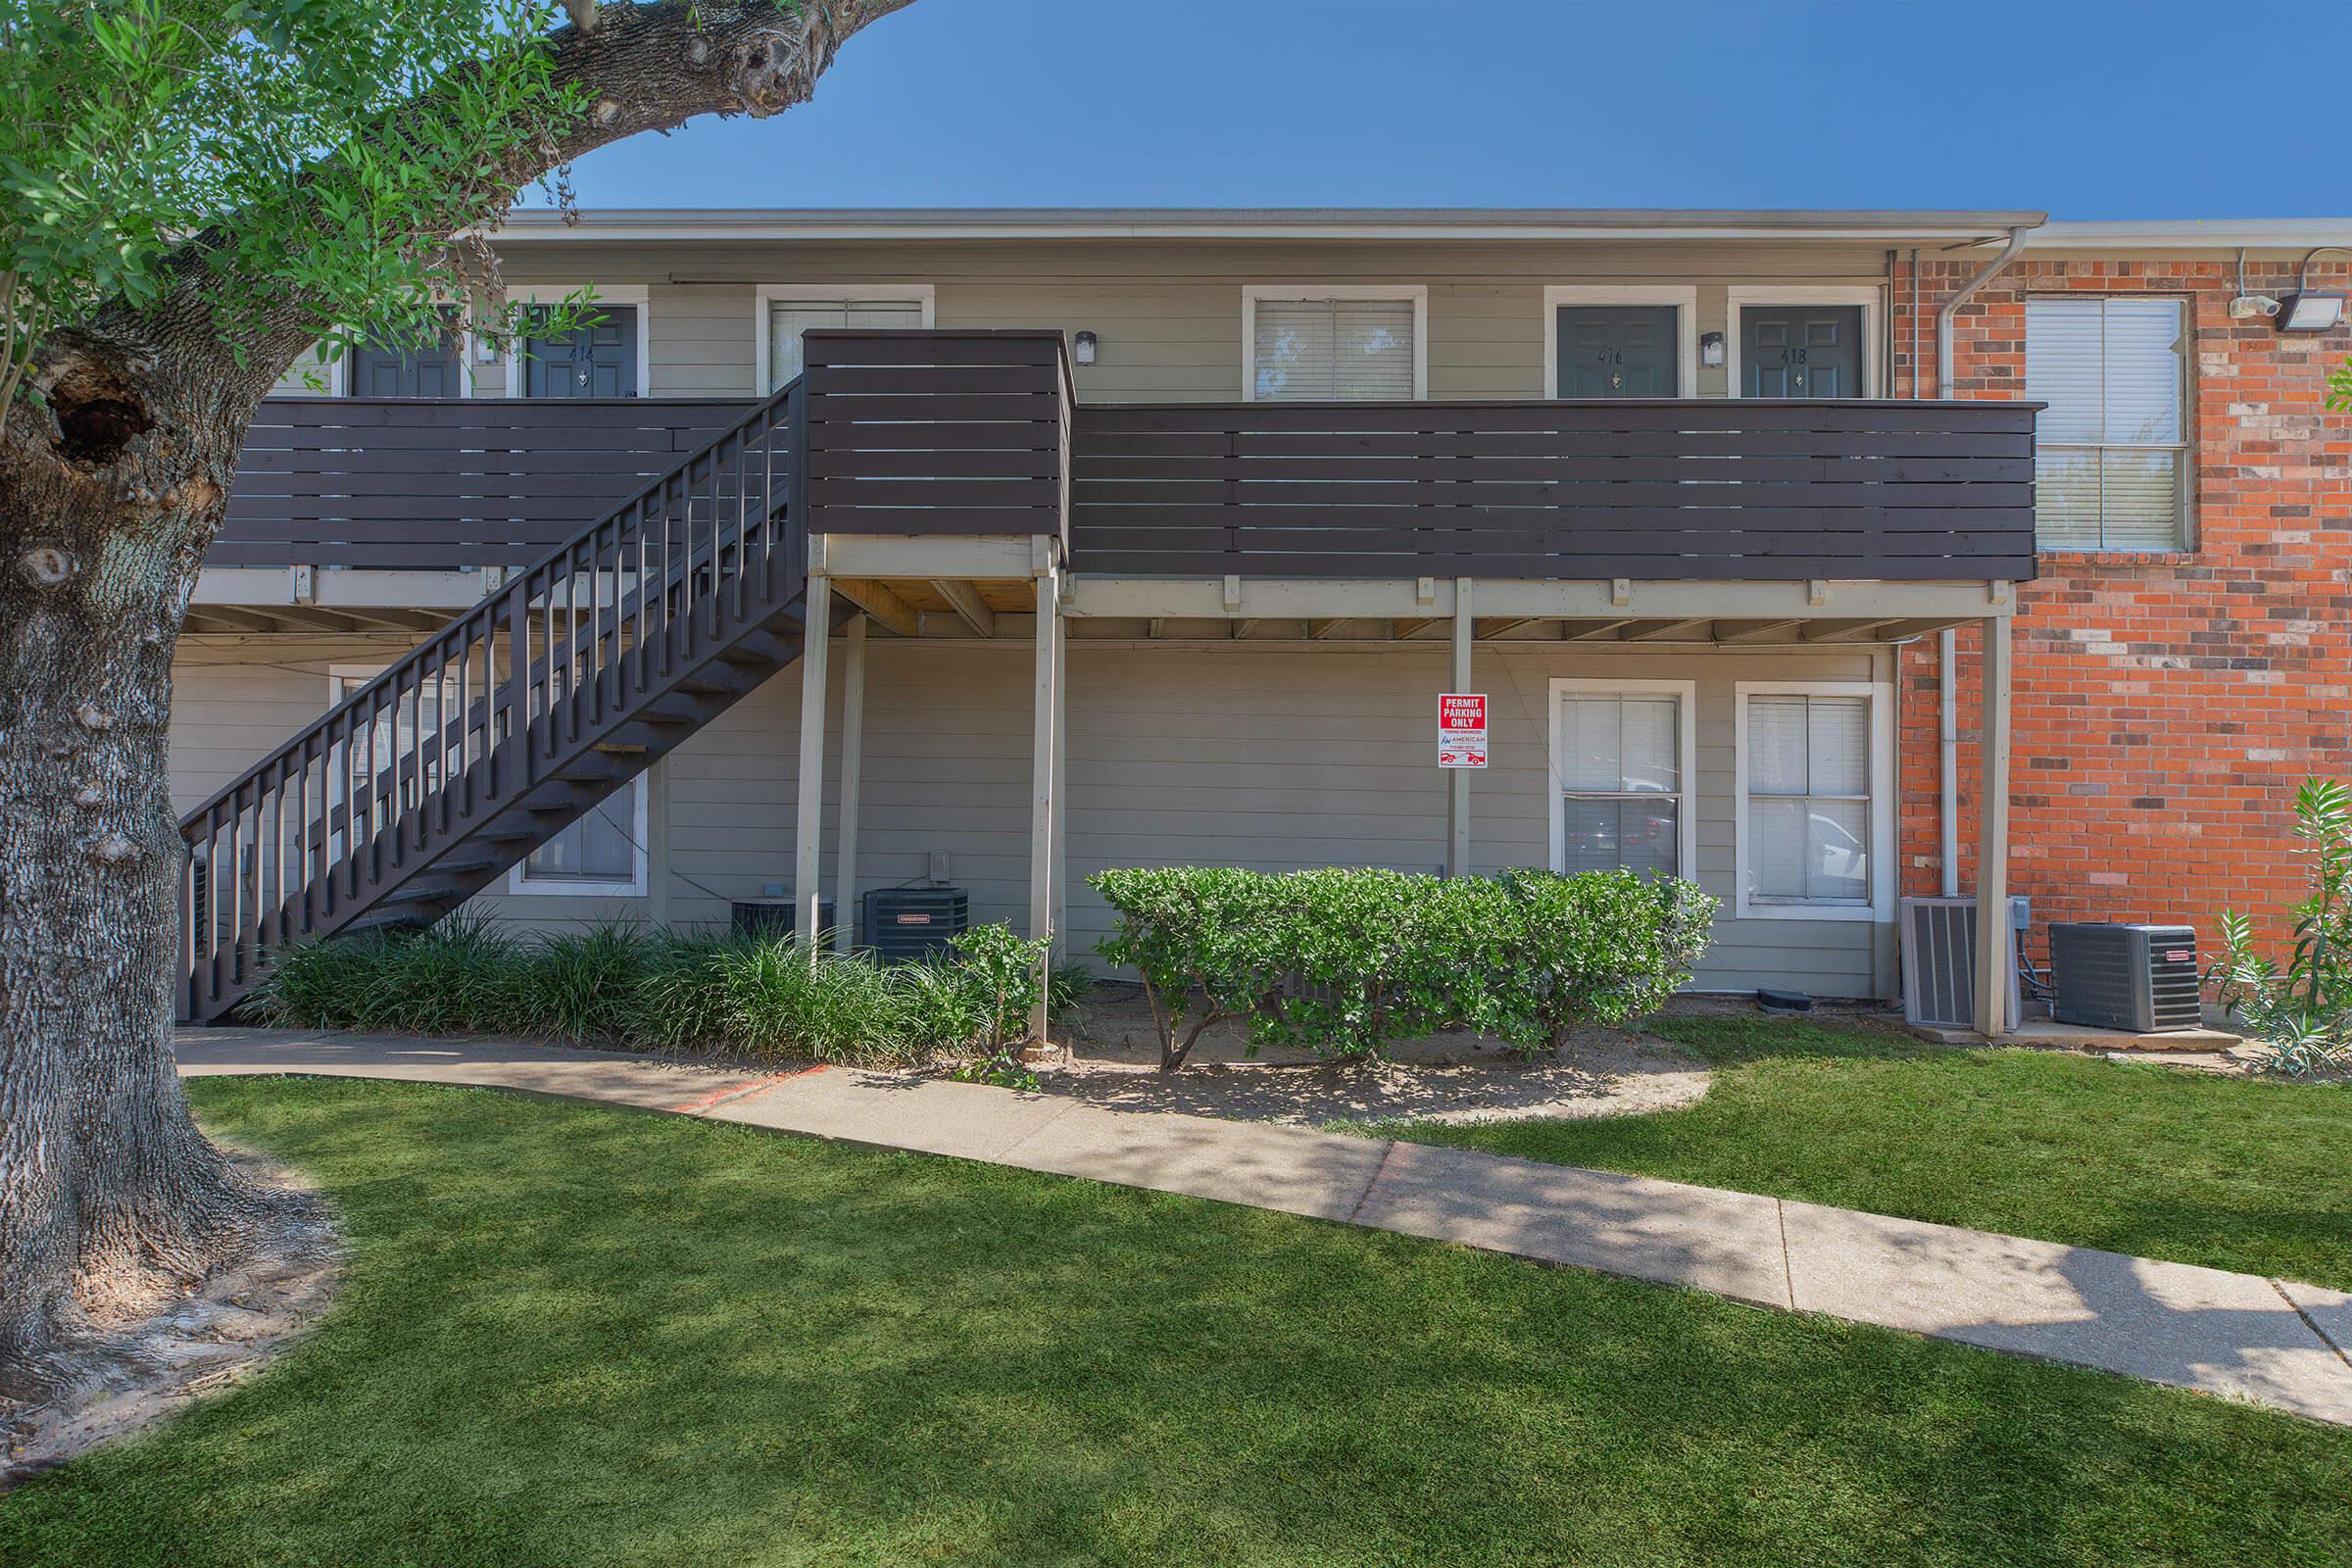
{"x": 1884, "y": 807}
{"x": 1251, "y": 293}
{"x": 1685, "y": 797}
{"x": 1866, "y": 295}
{"x": 1683, "y": 297}
{"x": 637, "y": 295}
{"x": 764, "y": 295}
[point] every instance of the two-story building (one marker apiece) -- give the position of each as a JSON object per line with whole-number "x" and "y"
{"x": 1152, "y": 537}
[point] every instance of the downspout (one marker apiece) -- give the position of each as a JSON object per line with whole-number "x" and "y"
{"x": 1947, "y": 646}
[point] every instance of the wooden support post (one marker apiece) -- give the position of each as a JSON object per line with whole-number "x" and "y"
{"x": 1457, "y": 783}
{"x": 1045, "y": 742}
{"x": 809, "y": 801}
{"x": 1993, "y": 836}
{"x": 1062, "y": 787}
{"x": 853, "y": 750}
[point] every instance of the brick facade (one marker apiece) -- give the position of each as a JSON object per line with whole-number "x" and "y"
{"x": 2166, "y": 707}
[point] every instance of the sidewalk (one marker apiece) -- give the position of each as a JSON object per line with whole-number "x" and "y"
{"x": 2273, "y": 1341}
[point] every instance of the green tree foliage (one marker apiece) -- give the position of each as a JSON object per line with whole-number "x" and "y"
{"x": 2305, "y": 1008}
{"x": 313, "y": 150}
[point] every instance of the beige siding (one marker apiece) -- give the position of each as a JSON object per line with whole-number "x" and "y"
{"x": 1271, "y": 759}
{"x": 1168, "y": 312}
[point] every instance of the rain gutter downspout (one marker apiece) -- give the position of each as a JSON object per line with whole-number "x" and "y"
{"x": 1948, "y": 641}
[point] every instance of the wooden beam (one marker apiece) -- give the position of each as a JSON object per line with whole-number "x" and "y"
{"x": 808, "y": 798}
{"x": 1753, "y": 632}
{"x": 1842, "y": 631}
{"x": 1992, "y": 834}
{"x": 1661, "y": 631}
{"x": 1504, "y": 627}
{"x": 1242, "y": 628}
{"x": 1408, "y": 626}
{"x": 1317, "y": 630}
{"x": 966, "y": 603}
{"x": 879, "y": 601}
{"x": 852, "y": 768}
{"x": 1605, "y": 631}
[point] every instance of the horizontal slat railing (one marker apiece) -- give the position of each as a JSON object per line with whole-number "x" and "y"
{"x": 1689, "y": 489}
{"x": 922, "y": 432}
{"x": 388, "y": 786}
{"x": 404, "y": 482}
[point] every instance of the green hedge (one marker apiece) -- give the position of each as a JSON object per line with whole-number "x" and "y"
{"x": 661, "y": 990}
{"x": 1338, "y": 962}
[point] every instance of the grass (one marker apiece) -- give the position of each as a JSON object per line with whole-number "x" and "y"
{"x": 2231, "y": 1173}
{"x": 582, "y": 1337}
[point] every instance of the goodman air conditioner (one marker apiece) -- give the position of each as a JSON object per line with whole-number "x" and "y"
{"x": 1939, "y": 961}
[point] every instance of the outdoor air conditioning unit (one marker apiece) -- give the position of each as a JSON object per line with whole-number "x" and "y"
{"x": 774, "y": 916}
{"x": 906, "y": 924}
{"x": 1939, "y": 961}
{"x": 2142, "y": 978}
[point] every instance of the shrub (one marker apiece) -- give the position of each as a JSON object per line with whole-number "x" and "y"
{"x": 1338, "y": 962}
{"x": 2305, "y": 1010}
{"x": 668, "y": 990}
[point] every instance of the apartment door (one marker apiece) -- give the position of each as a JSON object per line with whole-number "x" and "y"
{"x": 597, "y": 360}
{"x": 391, "y": 373}
{"x": 1800, "y": 351}
{"x": 1619, "y": 351}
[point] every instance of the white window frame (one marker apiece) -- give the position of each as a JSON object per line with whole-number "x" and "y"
{"x": 2186, "y": 542}
{"x": 638, "y": 295}
{"x": 767, "y": 295}
{"x": 640, "y": 845}
{"x": 1418, "y": 293}
{"x": 1881, "y": 697}
{"x": 1685, "y": 795}
{"x": 1866, "y": 295}
{"x": 1683, "y": 297}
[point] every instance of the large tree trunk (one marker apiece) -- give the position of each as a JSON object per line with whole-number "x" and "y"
{"x": 110, "y": 1201}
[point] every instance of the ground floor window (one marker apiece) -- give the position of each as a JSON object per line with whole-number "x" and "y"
{"x": 603, "y": 853}
{"x": 1814, "y": 774}
{"x": 1621, "y": 776}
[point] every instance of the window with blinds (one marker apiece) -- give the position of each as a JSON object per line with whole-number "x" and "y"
{"x": 1808, "y": 798}
{"x": 2112, "y": 469}
{"x": 1621, "y": 782}
{"x": 1331, "y": 349}
{"x": 787, "y": 319}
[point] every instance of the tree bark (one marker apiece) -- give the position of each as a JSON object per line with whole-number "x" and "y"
{"x": 111, "y": 1200}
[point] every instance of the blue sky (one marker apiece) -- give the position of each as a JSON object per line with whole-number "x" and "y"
{"x": 2090, "y": 109}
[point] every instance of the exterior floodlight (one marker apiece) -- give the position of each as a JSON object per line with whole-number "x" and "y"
{"x": 2312, "y": 310}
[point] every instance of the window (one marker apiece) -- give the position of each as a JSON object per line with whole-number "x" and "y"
{"x": 1621, "y": 768}
{"x": 1815, "y": 777}
{"x": 603, "y": 853}
{"x": 383, "y": 768}
{"x": 2112, "y": 470}
{"x": 1338, "y": 345}
{"x": 785, "y": 313}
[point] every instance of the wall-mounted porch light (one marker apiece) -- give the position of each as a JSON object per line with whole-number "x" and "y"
{"x": 1710, "y": 348}
{"x": 1082, "y": 348}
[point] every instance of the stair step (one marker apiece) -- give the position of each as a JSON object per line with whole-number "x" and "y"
{"x": 621, "y": 747}
{"x": 757, "y": 648}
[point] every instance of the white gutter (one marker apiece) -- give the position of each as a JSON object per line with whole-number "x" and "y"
{"x": 1947, "y": 682}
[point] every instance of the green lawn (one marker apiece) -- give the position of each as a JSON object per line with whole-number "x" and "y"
{"x": 580, "y": 1337}
{"x": 2229, "y": 1172}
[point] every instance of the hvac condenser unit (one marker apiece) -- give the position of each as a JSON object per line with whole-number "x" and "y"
{"x": 1940, "y": 959}
{"x": 905, "y": 924}
{"x": 2142, "y": 978}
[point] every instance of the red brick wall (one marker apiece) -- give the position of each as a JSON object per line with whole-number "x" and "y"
{"x": 2166, "y": 707}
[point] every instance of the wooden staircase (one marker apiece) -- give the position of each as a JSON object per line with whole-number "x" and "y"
{"x": 417, "y": 791}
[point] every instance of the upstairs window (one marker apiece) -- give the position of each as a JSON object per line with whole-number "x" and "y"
{"x": 788, "y": 316}
{"x": 1334, "y": 347}
{"x": 2112, "y": 470}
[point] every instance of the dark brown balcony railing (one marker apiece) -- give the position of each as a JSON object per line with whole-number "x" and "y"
{"x": 961, "y": 433}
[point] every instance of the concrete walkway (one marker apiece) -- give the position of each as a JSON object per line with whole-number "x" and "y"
{"x": 2273, "y": 1341}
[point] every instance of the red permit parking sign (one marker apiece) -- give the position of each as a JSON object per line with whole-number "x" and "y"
{"x": 1462, "y": 729}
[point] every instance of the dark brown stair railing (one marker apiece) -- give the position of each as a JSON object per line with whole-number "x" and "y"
{"x": 486, "y": 740}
